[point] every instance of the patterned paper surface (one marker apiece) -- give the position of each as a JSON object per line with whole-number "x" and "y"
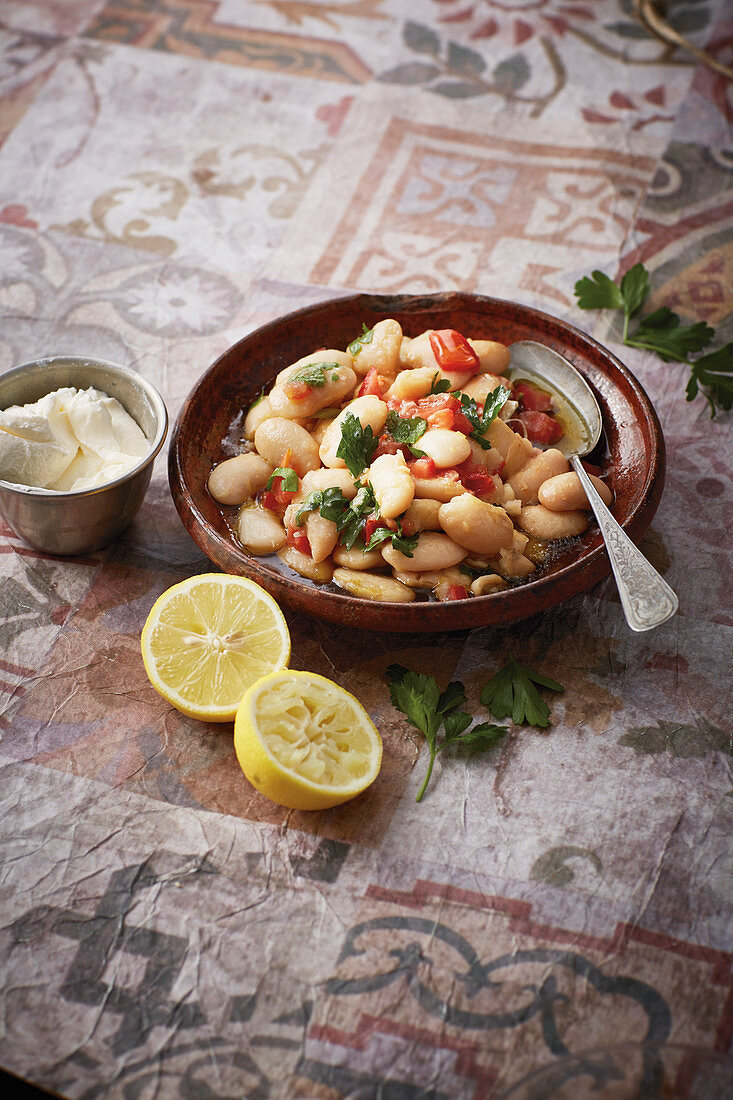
{"x": 174, "y": 173}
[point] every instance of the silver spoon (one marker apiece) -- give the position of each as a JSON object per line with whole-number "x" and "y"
{"x": 646, "y": 597}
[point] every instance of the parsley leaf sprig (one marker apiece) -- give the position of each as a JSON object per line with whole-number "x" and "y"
{"x": 427, "y": 709}
{"x": 365, "y": 337}
{"x": 289, "y": 479}
{"x": 357, "y": 445}
{"x": 407, "y": 430}
{"x": 313, "y": 375}
{"x": 481, "y": 421}
{"x": 512, "y": 691}
{"x": 350, "y": 517}
{"x": 439, "y": 385}
{"x": 661, "y": 332}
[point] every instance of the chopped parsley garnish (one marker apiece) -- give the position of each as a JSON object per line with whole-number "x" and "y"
{"x": 357, "y": 445}
{"x": 365, "y": 338}
{"x": 289, "y": 479}
{"x": 427, "y": 709}
{"x": 481, "y": 421}
{"x": 661, "y": 332}
{"x": 406, "y": 430}
{"x": 439, "y": 385}
{"x": 404, "y": 543}
{"x": 313, "y": 375}
{"x": 512, "y": 692}
{"x": 350, "y": 517}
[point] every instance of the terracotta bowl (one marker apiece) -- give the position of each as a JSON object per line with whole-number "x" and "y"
{"x": 209, "y": 426}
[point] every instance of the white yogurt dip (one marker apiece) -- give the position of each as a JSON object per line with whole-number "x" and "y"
{"x": 68, "y": 440}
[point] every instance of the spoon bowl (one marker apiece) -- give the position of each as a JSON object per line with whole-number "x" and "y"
{"x": 551, "y": 370}
{"x": 646, "y": 598}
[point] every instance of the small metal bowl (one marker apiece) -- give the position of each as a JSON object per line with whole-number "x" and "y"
{"x": 81, "y": 521}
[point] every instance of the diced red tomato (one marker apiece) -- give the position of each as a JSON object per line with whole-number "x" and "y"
{"x": 441, "y": 418}
{"x": 371, "y": 386}
{"x": 443, "y": 410}
{"x": 298, "y": 539}
{"x": 402, "y": 406}
{"x": 370, "y": 526}
{"x": 388, "y": 445}
{"x": 541, "y": 428}
{"x": 531, "y": 398}
{"x": 456, "y": 592}
{"x": 461, "y": 423}
{"x": 435, "y": 402}
{"x": 296, "y": 389}
{"x": 453, "y": 352}
{"x": 268, "y": 500}
{"x": 476, "y": 478}
{"x": 422, "y": 467}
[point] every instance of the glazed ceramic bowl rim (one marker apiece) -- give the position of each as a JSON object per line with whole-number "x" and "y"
{"x": 424, "y": 615}
{"x": 130, "y": 375}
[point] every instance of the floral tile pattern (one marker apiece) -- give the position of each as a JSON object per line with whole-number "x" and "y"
{"x": 174, "y": 174}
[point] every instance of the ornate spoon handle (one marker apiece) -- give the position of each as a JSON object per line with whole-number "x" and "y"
{"x": 646, "y": 597}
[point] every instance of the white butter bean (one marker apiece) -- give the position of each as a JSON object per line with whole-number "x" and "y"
{"x": 237, "y": 479}
{"x": 259, "y": 530}
{"x": 481, "y": 385}
{"x": 372, "y": 586}
{"x": 433, "y": 551}
{"x": 546, "y": 464}
{"x": 487, "y": 583}
{"x": 322, "y": 535}
{"x": 565, "y": 492}
{"x": 539, "y": 521}
{"x": 392, "y": 484}
{"x": 321, "y": 572}
{"x": 443, "y": 487}
{"x": 370, "y": 411}
{"x": 278, "y": 435}
{"x": 519, "y": 454}
{"x": 357, "y": 559}
{"x": 258, "y": 412}
{"x": 382, "y": 351}
{"x": 432, "y": 578}
{"x": 326, "y": 478}
{"x": 445, "y": 447}
{"x": 493, "y": 356}
{"x": 478, "y": 526}
{"x": 293, "y": 397}
{"x": 422, "y": 515}
{"x": 416, "y": 382}
{"x": 514, "y": 564}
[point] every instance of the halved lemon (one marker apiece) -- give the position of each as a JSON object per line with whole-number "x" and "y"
{"x": 305, "y": 742}
{"x": 208, "y": 638}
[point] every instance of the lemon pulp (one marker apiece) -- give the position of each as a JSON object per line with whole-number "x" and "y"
{"x": 207, "y": 639}
{"x": 305, "y": 742}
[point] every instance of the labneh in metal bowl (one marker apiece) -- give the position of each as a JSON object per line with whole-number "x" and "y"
{"x": 84, "y": 520}
{"x": 209, "y": 429}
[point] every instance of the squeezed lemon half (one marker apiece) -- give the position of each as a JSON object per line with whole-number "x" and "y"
{"x": 305, "y": 742}
{"x": 207, "y": 639}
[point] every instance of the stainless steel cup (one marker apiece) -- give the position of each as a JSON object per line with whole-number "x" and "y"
{"x": 84, "y": 520}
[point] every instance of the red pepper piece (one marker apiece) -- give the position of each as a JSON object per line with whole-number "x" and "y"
{"x": 476, "y": 478}
{"x": 541, "y": 428}
{"x": 531, "y": 398}
{"x": 456, "y": 592}
{"x": 371, "y": 386}
{"x": 298, "y": 539}
{"x": 422, "y": 467}
{"x": 453, "y": 352}
{"x": 441, "y": 418}
{"x": 388, "y": 445}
